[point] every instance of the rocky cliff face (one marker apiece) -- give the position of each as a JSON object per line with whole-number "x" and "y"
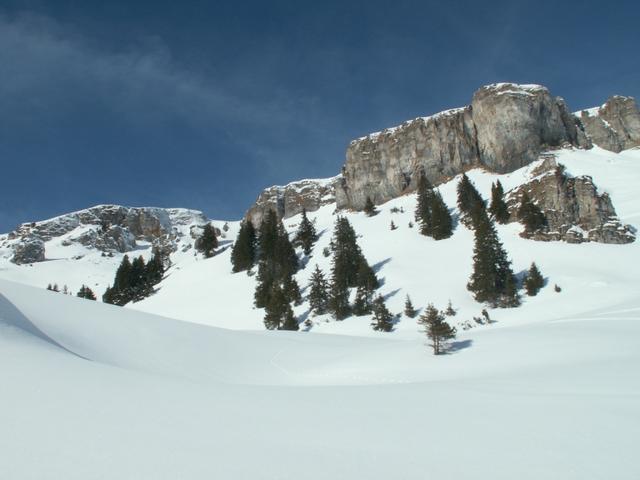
{"x": 505, "y": 127}
{"x": 291, "y": 199}
{"x": 574, "y": 209}
{"x": 108, "y": 228}
{"x": 614, "y": 126}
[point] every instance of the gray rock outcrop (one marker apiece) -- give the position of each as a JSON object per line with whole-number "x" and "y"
{"x": 614, "y": 126}
{"x": 506, "y": 127}
{"x": 29, "y": 249}
{"x": 108, "y": 228}
{"x": 291, "y": 199}
{"x": 574, "y": 209}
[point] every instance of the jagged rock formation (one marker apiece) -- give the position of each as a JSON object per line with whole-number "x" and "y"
{"x": 574, "y": 209}
{"x": 291, "y": 199}
{"x": 108, "y": 228}
{"x": 615, "y": 125}
{"x": 506, "y": 127}
{"x": 29, "y": 249}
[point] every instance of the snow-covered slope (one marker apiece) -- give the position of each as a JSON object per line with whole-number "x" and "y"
{"x": 204, "y": 291}
{"x": 91, "y": 391}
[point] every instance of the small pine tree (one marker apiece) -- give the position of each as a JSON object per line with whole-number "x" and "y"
{"x": 319, "y": 293}
{"x": 534, "y": 281}
{"x": 306, "y": 235}
{"x": 423, "y": 205}
{"x": 277, "y": 310}
{"x": 208, "y": 242}
{"x": 86, "y": 292}
{"x": 470, "y": 202}
{"x": 393, "y": 226}
{"x": 441, "y": 222}
{"x": 530, "y": 215}
{"x": 409, "y": 310}
{"x": 450, "y": 311}
{"x": 436, "y": 328}
{"x": 370, "y": 208}
{"x": 243, "y": 253}
{"x": 498, "y": 207}
{"x": 55, "y": 287}
{"x": 50, "y": 287}
{"x": 557, "y": 288}
{"x": 382, "y": 319}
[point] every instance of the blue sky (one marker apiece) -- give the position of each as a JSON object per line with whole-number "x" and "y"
{"x": 202, "y": 104}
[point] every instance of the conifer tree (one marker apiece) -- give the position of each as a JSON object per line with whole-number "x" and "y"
{"x": 382, "y": 319}
{"x": 278, "y": 262}
{"x": 55, "y": 287}
{"x": 306, "y": 235}
{"x": 319, "y": 293}
{"x": 450, "y": 311}
{"x": 50, "y": 287}
{"x": 370, "y": 207}
{"x": 393, "y": 226}
{"x": 86, "y": 292}
{"x": 409, "y": 310}
{"x": 208, "y": 242}
{"x": 350, "y": 269}
{"x": 441, "y": 222}
{"x": 292, "y": 290}
{"x": 243, "y": 253}
{"x": 277, "y": 310}
{"x": 436, "y": 328}
{"x": 492, "y": 280}
{"x": 470, "y": 202}
{"x": 530, "y": 215}
{"x": 534, "y": 281}
{"x": 423, "y": 206}
{"x": 498, "y": 207}
{"x": 154, "y": 271}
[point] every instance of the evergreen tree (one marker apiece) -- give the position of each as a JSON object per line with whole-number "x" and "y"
{"x": 498, "y": 207}
{"x": 278, "y": 262}
{"x": 534, "y": 281}
{"x": 306, "y": 235}
{"x": 50, "y": 287}
{"x": 277, "y": 309}
{"x": 86, "y": 292}
{"x": 370, "y": 208}
{"x": 208, "y": 242}
{"x": 436, "y": 328}
{"x": 137, "y": 286}
{"x": 423, "y": 207}
{"x": 243, "y": 253}
{"x": 450, "y": 311}
{"x": 154, "y": 271}
{"x": 319, "y": 293}
{"x": 470, "y": 202}
{"x": 55, "y": 287}
{"x": 530, "y": 215}
{"x": 350, "y": 269}
{"x": 441, "y": 222}
{"x": 108, "y": 296}
{"x": 292, "y": 290}
{"x": 492, "y": 279}
{"x": 393, "y": 226}
{"x": 382, "y": 319}
{"x": 409, "y": 311}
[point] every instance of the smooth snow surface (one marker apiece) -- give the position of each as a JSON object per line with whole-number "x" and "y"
{"x": 91, "y": 391}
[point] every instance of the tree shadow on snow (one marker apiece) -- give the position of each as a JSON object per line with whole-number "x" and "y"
{"x": 391, "y": 294}
{"x": 459, "y": 345}
{"x": 378, "y": 266}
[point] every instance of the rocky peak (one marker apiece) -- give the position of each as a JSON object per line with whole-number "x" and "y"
{"x": 108, "y": 228}
{"x": 615, "y": 125}
{"x": 574, "y": 209}
{"x": 291, "y": 199}
{"x": 506, "y": 127}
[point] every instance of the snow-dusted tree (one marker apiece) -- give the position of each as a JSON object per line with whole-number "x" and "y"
{"x": 382, "y": 319}
{"x": 86, "y": 292}
{"x": 208, "y": 242}
{"x": 409, "y": 310}
{"x": 370, "y": 207}
{"x": 436, "y": 328}
{"x": 278, "y": 313}
{"x": 450, "y": 311}
{"x": 243, "y": 253}
{"x": 492, "y": 280}
{"x": 534, "y": 281}
{"x": 470, "y": 202}
{"x": 530, "y": 215}
{"x": 306, "y": 235}
{"x": 498, "y": 207}
{"x": 318, "y": 293}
